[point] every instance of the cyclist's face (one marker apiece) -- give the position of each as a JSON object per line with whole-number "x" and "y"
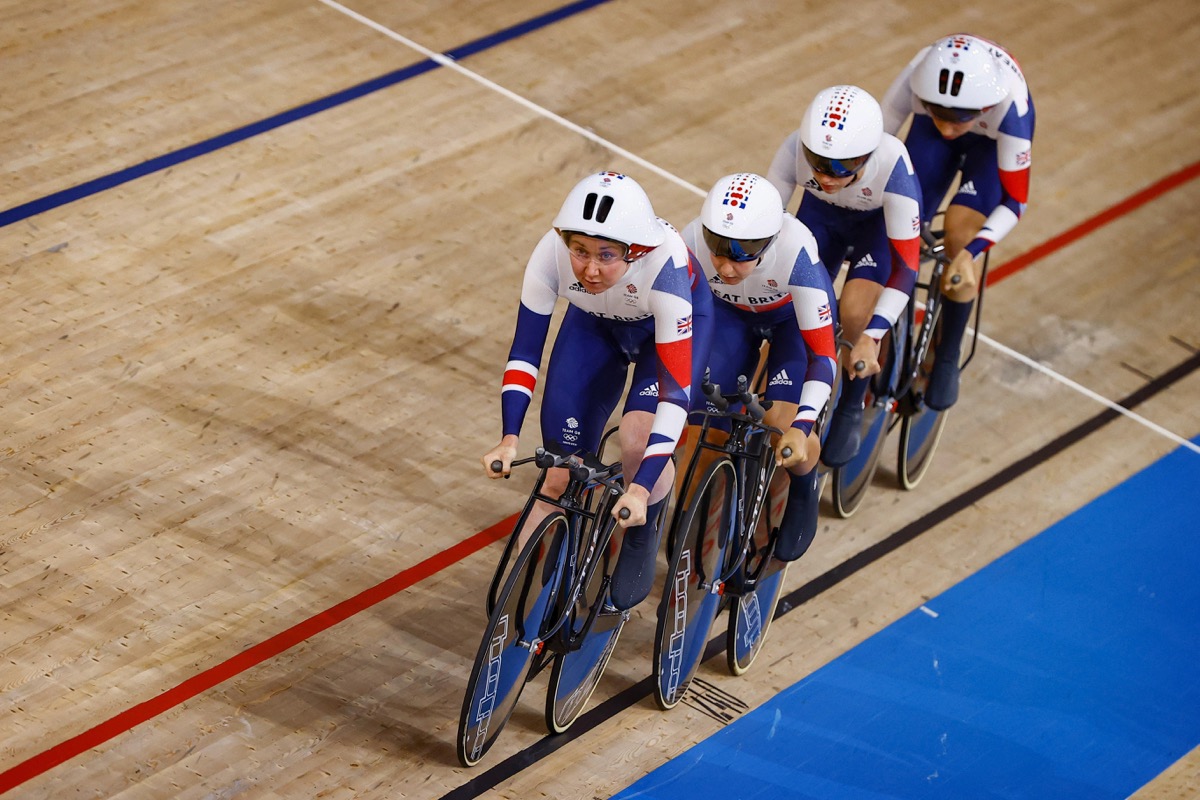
{"x": 597, "y": 263}
{"x": 952, "y": 130}
{"x": 733, "y": 272}
{"x": 831, "y": 185}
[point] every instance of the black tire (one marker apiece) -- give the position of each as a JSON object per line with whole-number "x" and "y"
{"x": 504, "y": 658}
{"x": 691, "y": 593}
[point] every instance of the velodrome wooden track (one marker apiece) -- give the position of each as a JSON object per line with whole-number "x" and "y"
{"x": 251, "y": 382}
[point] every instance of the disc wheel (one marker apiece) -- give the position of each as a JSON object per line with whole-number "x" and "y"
{"x": 504, "y": 659}
{"x": 692, "y": 590}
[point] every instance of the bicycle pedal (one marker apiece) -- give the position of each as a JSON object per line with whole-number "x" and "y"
{"x": 609, "y": 610}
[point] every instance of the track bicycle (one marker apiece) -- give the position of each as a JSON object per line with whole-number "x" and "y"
{"x": 895, "y": 395}
{"x": 546, "y": 603}
{"x": 720, "y": 545}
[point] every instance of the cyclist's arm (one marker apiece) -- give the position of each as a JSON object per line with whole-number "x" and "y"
{"x": 1014, "y": 145}
{"x": 539, "y": 292}
{"x": 902, "y": 218}
{"x": 671, "y": 305}
{"x": 897, "y": 102}
{"x": 783, "y": 174}
{"x": 814, "y": 314}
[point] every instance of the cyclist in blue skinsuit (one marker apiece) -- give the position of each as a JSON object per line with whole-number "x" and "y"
{"x": 636, "y": 298}
{"x": 972, "y": 118}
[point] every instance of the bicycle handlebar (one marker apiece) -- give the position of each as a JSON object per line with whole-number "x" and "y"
{"x": 755, "y": 409}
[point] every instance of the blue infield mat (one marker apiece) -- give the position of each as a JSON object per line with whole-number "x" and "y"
{"x": 1068, "y": 668}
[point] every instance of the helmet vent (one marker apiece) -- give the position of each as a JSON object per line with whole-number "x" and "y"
{"x": 606, "y": 204}
{"x": 950, "y": 82}
{"x": 592, "y": 212}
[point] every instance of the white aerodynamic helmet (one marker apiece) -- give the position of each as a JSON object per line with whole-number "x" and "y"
{"x": 612, "y": 206}
{"x": 741, "y": 216}
{"x": 841, "y": 128}
{"x": 958, "y": 72}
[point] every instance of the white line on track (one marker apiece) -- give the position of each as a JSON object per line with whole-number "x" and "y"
{"x": 449, "y": 63}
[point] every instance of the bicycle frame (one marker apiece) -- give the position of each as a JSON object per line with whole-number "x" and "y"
{"x": 749, "y": 459}
{"x": 587, "y": 528}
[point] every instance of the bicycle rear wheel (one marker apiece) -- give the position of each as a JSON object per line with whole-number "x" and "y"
{"x": 692, "y": 593}
{"x": 751, "y": 612}
{"x": 749, "y": 618}
{"x": 505, "y": 657}
{"x": 577, "y": 672}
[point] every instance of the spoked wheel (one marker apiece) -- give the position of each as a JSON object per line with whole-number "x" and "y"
{"x": 920, "y": 429}
{"x": 576, "y": 673}
{"x": 692, "y": 591}
{"x": 751, "y": 612}
{"x": 505, "y": 657}
{"x": 852, "y": 479}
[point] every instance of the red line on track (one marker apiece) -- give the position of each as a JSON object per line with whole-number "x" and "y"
{"x": 94, "y": 737}
{"x": 251, "y": 657}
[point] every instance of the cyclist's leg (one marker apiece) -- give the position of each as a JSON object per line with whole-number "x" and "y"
{"x": 634, "y": 573}
{"x": 979, "y": 192}
{"x": 789, "y": 356}
{"x": 860, "y": 294}
{"x": 584, "y": 378}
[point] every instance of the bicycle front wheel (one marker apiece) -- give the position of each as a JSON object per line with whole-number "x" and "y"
{"x": 920, "y": 430}
{"x": 692, "y": 593}
{"x": 577, "y": 672}
{"x": 506, "y": 652}
{"x": 852, "y": 479}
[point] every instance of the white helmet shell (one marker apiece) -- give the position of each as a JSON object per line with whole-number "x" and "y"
{"x": 743, "y": 206}
{"x": 612, "y": 206}
{"x": 959, "y": 72}
{"x": 842, "y": 122}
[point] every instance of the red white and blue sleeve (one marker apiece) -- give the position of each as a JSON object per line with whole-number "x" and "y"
{"x": 671, "y": 304}
{"x": 814, "y": 315}
{"x": 902, "y": 218}
{"x": 539, "y": 293}
{"x": 783, "y": 173}
{"x": 1014, "y": 145}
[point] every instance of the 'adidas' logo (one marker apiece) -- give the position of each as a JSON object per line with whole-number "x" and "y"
{"x": 968, "y": 188}
{"x": 866, "y": 261}
{"x": 649, "y": 391}
{"x": 781, "y": 379}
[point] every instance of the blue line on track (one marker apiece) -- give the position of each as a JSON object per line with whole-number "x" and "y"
{"x": 26, "y": 210}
